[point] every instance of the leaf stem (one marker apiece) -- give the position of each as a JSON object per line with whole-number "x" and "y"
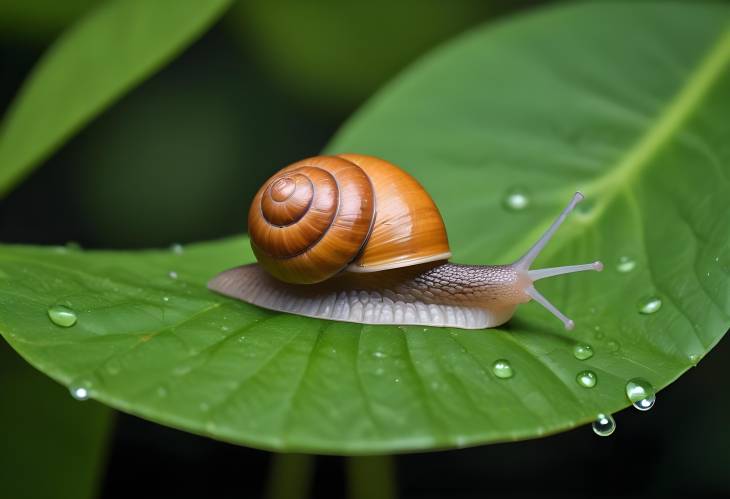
{"x": 290, "y": 476}
{"x": 371, "y": 476}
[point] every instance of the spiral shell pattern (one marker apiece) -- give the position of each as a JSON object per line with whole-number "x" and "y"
{"x": 311, "y": 219}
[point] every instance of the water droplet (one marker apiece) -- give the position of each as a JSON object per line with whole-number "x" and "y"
{"x": 62, "y": 316}
{"x": 625, "y": 264}
{"x": 694, "y": 358}
{"x": 80, "y": 390}
{"x": 172, "y": 274}
{"x": 177, "y": 248}
{"x": 586, "y": 379}
{"x": 161, "y": 391}
{"x": 502, "y": 369}
{"x": 641, "y": 393}
{"x": 204, "y": 406}
{"x": 113, "y": 367}
{"x": 604, "y": 425}
{"x": 516, "y": 199}
{"x": 379, "y": 355}
{"x": 649, "y": 305}
{"x": 613, "y": 346}
{"x": 165, "y": 298}
{"x": 397, "y": 380}
{"x": 582, "y": 351}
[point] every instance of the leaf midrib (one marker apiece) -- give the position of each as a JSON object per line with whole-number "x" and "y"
{"x": 618, "y": 177}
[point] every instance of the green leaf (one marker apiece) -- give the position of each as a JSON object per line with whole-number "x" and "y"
{"x": 98, "y": 60}
{"x": 633, "y": 114}
{"x": 42, "y": 427}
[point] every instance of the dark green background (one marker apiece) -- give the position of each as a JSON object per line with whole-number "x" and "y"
{"x": 236, "y": 98}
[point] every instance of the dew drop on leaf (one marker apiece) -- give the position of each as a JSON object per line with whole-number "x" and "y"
{"x": 516, "y": 199}
{"x": 172, "y": 274}
{"x": 641, "y": 393}
{"x": 502, "y": 369}
{"x": 604, "y": 425}
{"x": 62, "y": 316}
{"x": 613, "y": 346}
{"x": 582, "y": 351}
{"x": 586, "y": 379}
{"x": 625, "y": 264}
{"x": 80, "y": 389}
{"x": 113, "y": 367}
{"x": 649, "y": 305}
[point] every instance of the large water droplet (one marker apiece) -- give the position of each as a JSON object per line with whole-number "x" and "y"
{"x": 649, "y": 305}
{"x": 516, "y": 199}
{"x": 582, "y": 351}
{"x": 586, "y": 379}
{"x": 177, "y": 248}
{"x": 502, "y": 369}
{"x": 641, "y": 394}
{"x": 80, "y": 389}
{"x": 625, "y": 264}
{"x": 62, "y": 316}
{"x": 604, "y": 425}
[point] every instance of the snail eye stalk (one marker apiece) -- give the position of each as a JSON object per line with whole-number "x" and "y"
{"x": 523, "y": 264}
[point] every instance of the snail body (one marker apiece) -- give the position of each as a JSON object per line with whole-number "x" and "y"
{"x": 354, "y": 238}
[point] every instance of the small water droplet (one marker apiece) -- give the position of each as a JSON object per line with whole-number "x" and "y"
{"x": 172, "y": 274}
{"x": 113, "y": 367}
{"x": 604, "y": 425}
{"x": 641, "y": 393}
{"x": 62, "y": 316}
{"x": 161, "y": 391}
{"x": 502, "y": 369}
{"x": 694, "y": 358}
{"x": 586, "y": 379}
{"x": 177, "y": 248}
{"x": 516, "y": 199}
{"x": 225, "y": 328}
{"x": 625, "y": 264}
{"x": 204, "y": 406}
{"x": 379, "y": 355}
{"x": 649, "y": 305}
{"x": 80, "y": 389}
{"x": 165, "y": 298}
{"x": 582, "y": 351}
{"x": 397, "y": 380}
{"x": 613, "y": 346}
{"x": 380, "y": 371}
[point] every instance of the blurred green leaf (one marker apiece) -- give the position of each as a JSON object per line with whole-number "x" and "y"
{"x": 36, "y": 20}
{"x": 334, "y": 54}
{"x": 633, "y": 114}
{"x": 52, "y": 445}
{"x": 99, "y": 59}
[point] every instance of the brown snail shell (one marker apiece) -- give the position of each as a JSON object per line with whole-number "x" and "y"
{"x": 324, "y": 214}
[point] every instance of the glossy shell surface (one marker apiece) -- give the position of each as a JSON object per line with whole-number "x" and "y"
{"x": 321, "y": 215}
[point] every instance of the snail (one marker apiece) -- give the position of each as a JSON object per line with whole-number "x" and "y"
{"x": 355, "y": 238}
